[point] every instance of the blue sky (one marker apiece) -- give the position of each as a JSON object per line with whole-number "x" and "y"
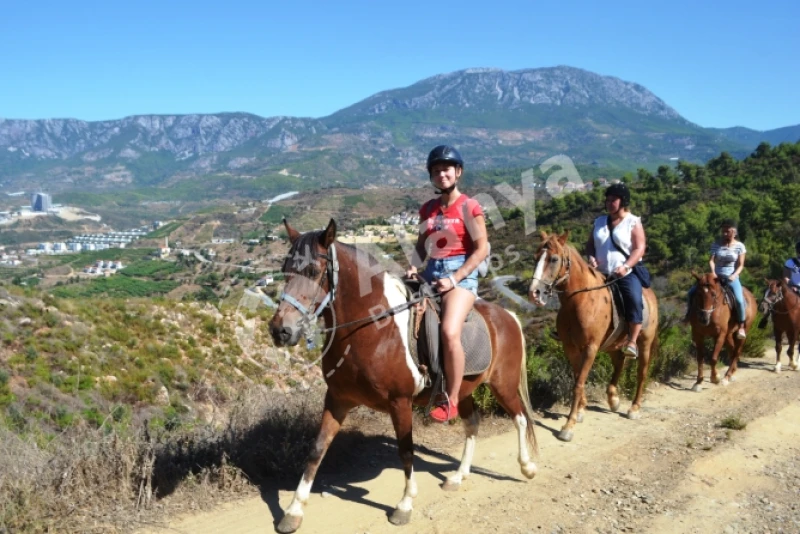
{"x": 722, "y": 64}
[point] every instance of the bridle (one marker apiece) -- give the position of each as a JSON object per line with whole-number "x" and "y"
{"x": 713, "y": 299}
{"x": 778, "y": 298}
{"x": 310, "y": 315}
{"x": 566, "y": 263}
{"x": 552, "y": 287}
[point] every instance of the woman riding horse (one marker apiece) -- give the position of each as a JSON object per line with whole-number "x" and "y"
{"x": 368, "y": 360}
{"x": 452, "y": 233}
{"x": 585, "y": 321}
{"x": 615, "y": 247}
{"x": 727, "y": 262}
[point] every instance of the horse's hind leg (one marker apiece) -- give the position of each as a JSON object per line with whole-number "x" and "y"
{"x": 641, "y": 377}
{"x": 511, "y": 401}
{"x": 332, "y": 418}
{"x": 401, "y": 418}
{"x": 618, "y": 359}
{"x": 471, "y": 418}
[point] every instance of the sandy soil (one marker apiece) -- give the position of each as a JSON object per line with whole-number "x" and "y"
{"x": 675, "y": 470}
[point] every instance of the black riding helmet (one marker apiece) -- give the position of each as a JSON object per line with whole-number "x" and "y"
{"x": 620, "y": 191}
{"x": 444, "y": 154}
{"x": 727, "y": 223}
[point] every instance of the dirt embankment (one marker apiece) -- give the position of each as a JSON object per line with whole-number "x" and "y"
{"x": 678, "y": 469}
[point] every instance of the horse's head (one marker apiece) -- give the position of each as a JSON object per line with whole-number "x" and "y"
{"x": 309, "y": 275}
{"x": 708, "y": 292}
{"x": 552, "y": 267}
{"x": 772, "y": 296}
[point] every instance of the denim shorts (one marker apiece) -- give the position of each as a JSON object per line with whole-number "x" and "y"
{"x": 444, "y": 267}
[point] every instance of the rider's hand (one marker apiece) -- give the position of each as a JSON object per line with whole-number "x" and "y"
{"x": 733, "y": 277}
{"x": 443, "y": 285}
{"x": 411, "y": 273}
{"x": 621, "y": 271}
{"x": 592, "y": 261}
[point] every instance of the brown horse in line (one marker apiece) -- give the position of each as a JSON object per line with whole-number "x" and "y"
{"x": 715, "y": 318}
{"x": 367, "y": 361}
{"x": 585, "y": 321}
{"x": 783, "y": 304}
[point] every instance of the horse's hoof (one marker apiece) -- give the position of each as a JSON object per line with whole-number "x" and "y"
{"x": 732, "y": 378}
{"x": 529, "y": 470}
{"x": 613, "y": 404}
{"x": 778, "y": 368}
{"x": 400, "y": 517}
{"x": 565, "y": 435}
{"x": 633, "y": 415}
{"x": 725, "y": 382}
{"x": 451, "y": 485}
{"x": 697, "y": 388}
{"x": 715, "y": 380}
{"x": 793, "y": 366}
{"x": 580, "y": 417}
{"x": 289, "y": 523}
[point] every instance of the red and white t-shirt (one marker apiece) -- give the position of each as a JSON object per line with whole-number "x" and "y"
{"x": 445, "y": 229}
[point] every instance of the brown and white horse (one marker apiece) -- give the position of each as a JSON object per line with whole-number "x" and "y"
{"x": 369, "y": 363}
{"x": 585, "y": 321}
{"x": 783, "y": 304}
{"x": 714, "y": 318}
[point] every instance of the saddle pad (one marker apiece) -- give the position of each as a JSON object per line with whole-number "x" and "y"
{"x": 474, "y": 338}
{"x": 619, "y": 324}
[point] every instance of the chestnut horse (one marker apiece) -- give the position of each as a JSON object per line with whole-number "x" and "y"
{"x": 585, "y": 322}
{"x": 715, "y": 318}
{"x": 783, "y": 304}
{"x": 367, "y": 359}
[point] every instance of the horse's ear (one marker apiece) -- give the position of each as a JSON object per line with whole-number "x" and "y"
{"x": 329, "y": 235}
{"x": 696, "y": 276}
{"x": 543, "y": 235}
{"x": 563, "y": 238}
{"x": 293, "y": 234}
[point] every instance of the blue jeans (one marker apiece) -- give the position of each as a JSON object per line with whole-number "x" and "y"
{"x": 738, "y": 294}
{"x": 631, "y": 289}
{"x": 444, "y": 267}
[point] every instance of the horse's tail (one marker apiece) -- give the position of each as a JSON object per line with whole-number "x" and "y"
{"x": 524, "y": 393}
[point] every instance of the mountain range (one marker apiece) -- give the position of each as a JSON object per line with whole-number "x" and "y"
{"x": 498, "y": 119}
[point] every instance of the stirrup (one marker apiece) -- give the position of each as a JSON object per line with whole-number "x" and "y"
{"x": 630, "y": 351}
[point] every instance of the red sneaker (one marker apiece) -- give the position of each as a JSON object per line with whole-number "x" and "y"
{"x": 444, "y": 412}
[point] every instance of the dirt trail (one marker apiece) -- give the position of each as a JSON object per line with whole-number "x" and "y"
{"x": 675, "y": 470}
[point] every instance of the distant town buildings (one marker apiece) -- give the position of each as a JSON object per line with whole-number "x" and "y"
{"x": 41, "y": 202}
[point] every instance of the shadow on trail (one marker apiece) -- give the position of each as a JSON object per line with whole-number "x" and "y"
{"x": 271, "y": 455}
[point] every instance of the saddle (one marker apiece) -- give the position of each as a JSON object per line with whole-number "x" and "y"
{"x": 619, "y": 324}
{"x": 730, "y": 299}
{"x": 425, "y": 336}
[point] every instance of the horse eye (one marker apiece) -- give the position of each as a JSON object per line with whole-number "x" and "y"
{"x": 554, "y": 259}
